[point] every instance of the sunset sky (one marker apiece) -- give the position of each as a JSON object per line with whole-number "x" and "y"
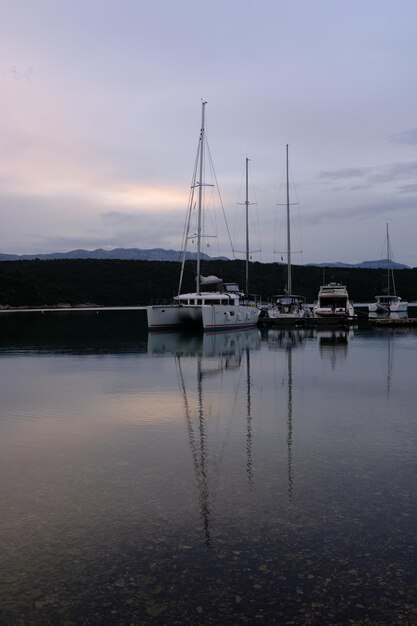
{"x": 100, "y": 115}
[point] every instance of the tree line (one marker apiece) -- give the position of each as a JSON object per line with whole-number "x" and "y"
{"x": 39, "y": 283}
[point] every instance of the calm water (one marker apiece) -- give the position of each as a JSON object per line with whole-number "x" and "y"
{"x": 180, "y": 479}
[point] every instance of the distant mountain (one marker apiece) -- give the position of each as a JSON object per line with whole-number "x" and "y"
{"x": 381, "y": 264}
{"x": 160, "y": 254}
{"x": 125, "y": 254}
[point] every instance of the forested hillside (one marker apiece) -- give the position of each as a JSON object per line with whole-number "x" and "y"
{"x": 121, "y": 283}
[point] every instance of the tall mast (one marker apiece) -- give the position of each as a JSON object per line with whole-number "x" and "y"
{"x": 289, "y": 281}
{"x": 390, "y": 270}
{"x": 388, "y": 264}
{"x": 247, "y": 229}
{"x": 200, "y": 196}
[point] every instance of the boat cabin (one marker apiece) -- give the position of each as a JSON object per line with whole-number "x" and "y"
{"x": 288, "y": 303}
{"x": 228, "y": 295}
{"x": 386, "y": 299}
{"x": 333, "y": 295}
{"x": 333, "y": 300}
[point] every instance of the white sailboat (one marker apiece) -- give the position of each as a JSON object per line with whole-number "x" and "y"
{"x": 288, "y": 308}
{"x": 210, "y": 310}
{"x": 389, "y": 302}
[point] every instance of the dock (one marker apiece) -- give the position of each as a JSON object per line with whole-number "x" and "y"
{"x": 388, "y": 322}
{"x": 362, "y": 320}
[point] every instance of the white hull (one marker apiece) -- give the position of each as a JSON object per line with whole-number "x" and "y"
{"x": 217, "y": 316}
{"x": 173, "y": 316}
{"x": 206, "y": 316}
{"x": 395, "y": 306}
{"x": 275, "y": 313}
{"x": 331, "y": 313}
{"x": 399, "y": 307}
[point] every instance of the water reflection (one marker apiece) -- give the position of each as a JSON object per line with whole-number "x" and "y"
{"x": 333, "y": 344}
{"x": 390, "y": 341}
{"x": 215, "y": 353}
{"x": 84, "y": 331}
{"x": 226, "y": 344}
{"x": 208, "y": 479}
{"x": 288, "y": 340}
{"x": 278, "y": 338}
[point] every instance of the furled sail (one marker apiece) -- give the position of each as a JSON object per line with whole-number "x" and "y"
{"x": 209, "y": 280}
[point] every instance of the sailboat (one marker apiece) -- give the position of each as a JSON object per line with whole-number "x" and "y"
{"x": 288, "y": 308}
{"x": 219, "y": 309}
{"x": 389, "y": 302}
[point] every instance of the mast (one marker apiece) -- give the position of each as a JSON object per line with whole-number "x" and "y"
{"x": 200, "y": 196}
{"x": 390, "y": 270}
{"x": 247, "y": 230}
{"x": 289, "y": 281}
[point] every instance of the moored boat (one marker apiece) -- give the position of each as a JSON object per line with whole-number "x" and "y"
{"x": 388, "y": 302}
{"x": 333, "y": 303}
{"x": 288, "y": 308}
{"x": 209, "y": 310}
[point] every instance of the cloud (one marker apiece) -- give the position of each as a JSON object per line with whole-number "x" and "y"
{"x": 373, "y": 175}
{"x": 394, "y": 171}
{"x": 345, "y": 173}
{"x": 374, "y": 207}
{"x": 408, "y": 189}
{"x": 408, "y": 137}
{"x": 360, "y": 187}
{"x": 113, "y": 230}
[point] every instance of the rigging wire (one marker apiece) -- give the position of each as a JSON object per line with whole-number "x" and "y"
{"x": 220, "y": 198}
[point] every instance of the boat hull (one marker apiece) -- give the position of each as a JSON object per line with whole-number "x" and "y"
{"x": 219, "y": 317}
{"x": 328, "y": 313}
{"x": 392, "y": 307}
{"x": 282, "y": 319}
{"x": 173, "y": 316}
{"x": 399, "y": 307}
{"x": 206, "y": 317}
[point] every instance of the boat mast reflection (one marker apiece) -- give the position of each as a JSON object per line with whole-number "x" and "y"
{"x": 289, "y": 426}
{"x": 390, "y": 360}
{"x": 198, "y": 450}
{"x": 215, "y": 353}
{"x": 288, "y": 339}
{"x": 248, "y": 419}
